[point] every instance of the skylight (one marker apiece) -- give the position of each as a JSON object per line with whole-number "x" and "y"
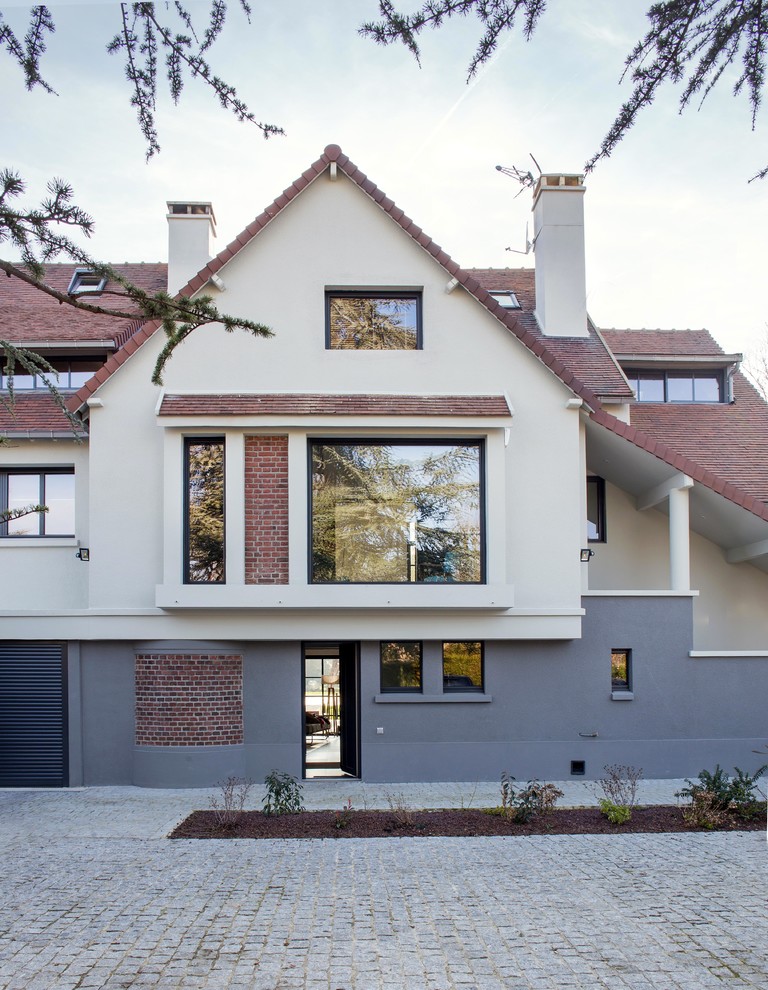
{"x": 507, "y": 300}
{"x": 86, "y": 282}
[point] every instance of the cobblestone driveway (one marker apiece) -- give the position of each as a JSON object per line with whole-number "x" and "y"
{"x": 83, "y": 905}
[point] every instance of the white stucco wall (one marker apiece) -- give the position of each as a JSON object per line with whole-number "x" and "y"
{"x": 334, "y": 236}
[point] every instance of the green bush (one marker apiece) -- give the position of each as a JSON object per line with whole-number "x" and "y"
{"x": 617, "y": 814}
{"x": 726, "y": 793}
{"x": 535, "y": 798}
{"x": 283, "y": 795}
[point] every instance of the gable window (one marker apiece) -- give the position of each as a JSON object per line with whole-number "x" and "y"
{"x": 400, "y": 667}
{"x": 595, "y": 509}
{"x": 676, "y": 386}
{"x": 373, "y": 321}
{"x": 86, "y": 282}
{"x": 396, "y": 512}
{"x": 53, "y": 488}
{"x": 462, "y": 666}
{"x": 621, "y": 670}
{"x": 204, "y": 511}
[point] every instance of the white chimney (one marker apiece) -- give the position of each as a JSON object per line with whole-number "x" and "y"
{"x": 191, "y": 233}
{"x": 561, "y": 284}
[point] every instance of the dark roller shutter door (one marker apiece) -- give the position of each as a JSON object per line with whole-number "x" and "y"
{"x": 33, "y": 722}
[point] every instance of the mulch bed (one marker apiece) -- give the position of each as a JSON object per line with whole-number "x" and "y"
{"x": 445, "y": 822}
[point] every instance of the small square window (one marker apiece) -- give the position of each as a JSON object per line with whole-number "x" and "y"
{"x": 400, "y": 667}
{"x": 621, "y": 670}
{"x": 462, "y": 667}
{"x": 373, "y": 321}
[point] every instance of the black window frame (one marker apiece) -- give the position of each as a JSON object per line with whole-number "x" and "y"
{"x": 416, "y": 294}
{"x": 401, "y": 690}
{"x": 598, "y": 483}
{"x": 189, "y": 442}
{"x": 40, "y": 473}
{"x": 636, "y": 375}
{"x": 464, "y": 688}
{"x": 622, "y": 685}
{"x": 480, "y": 443}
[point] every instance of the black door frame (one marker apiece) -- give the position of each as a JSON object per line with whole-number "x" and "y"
{"x": 349, "y": 713}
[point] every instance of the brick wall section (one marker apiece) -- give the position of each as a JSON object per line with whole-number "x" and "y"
{"x": 266, "y": 510}
{"x": 188, "y": 699}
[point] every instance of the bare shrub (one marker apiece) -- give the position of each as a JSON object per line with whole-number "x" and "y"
{"x": 619, "y": 785}
{"x": 230, "y": 801}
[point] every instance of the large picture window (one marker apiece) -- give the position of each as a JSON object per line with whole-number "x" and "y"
{"x": 373, "y": 321}
{"x": 406, "y": 512}
{"x": 53, "y": 488}
{"x": 204, "y": 511}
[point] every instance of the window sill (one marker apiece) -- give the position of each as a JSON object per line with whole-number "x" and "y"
{"x": 622, "y": 695}
{"x": 6, "y": 542}
{"x": 471, "y": 697}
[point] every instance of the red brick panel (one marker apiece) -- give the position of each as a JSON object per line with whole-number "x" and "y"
{"x": 266, "y": 510}
{"x": 188, "y": 699}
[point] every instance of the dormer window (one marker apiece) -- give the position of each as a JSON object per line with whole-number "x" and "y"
{"x": 507, "y": 300}
{"x": 677, "y": 386}
{"x": 86, "y": 282}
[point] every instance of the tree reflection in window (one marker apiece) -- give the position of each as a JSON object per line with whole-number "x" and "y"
{"x": 373, "y": 322}
{"x": 396, "y": 513}
{"x": 205, "y": 511}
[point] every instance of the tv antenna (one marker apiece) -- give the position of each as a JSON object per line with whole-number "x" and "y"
{"x": 527, "y": 181}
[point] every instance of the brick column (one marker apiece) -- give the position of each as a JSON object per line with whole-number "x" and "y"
{"x": 266, "y": 510}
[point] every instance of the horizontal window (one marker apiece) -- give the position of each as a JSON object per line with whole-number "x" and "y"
{"x": 65, "y": 375}
{"x": 373, "y": 321}
{"x": 676, "y": 386}
{"x": 462, "y": 666}
{"x": 396, "y": 512}
{"x": 400, "y": 667}
{"x": 204, "y": 498}
{"x": 37, "y": 502}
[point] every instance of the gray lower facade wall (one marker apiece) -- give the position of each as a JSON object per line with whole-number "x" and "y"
{"x": 546, "y": 705}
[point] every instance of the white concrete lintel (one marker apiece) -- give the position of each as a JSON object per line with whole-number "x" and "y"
{"x": 657, "y": 494}
{"x": 748, "y": 552}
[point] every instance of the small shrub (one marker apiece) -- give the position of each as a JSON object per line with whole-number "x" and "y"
{"x": 704, "y": 811}
{"x": 402, "y": 813}
{"x": 532, "y": 799}
{"x": 343, "y": 818}
{"x": 619, "y": 785}
{"x": 230, "y": 801}
{"x": 283, "y": 795}
{"x": 737, "y": 794}
{"x": 617, "y": 814}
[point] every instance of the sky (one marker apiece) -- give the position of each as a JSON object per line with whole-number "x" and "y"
{"x": 675, "y": 233}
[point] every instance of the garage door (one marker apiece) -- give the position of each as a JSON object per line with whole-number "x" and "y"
{"x": 33, "y": 723}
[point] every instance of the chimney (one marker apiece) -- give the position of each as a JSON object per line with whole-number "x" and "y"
{"x": 558, "y": 227}
{"x": 191, "y": 233}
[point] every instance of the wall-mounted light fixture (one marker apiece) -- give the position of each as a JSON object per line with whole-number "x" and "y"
{"x": 586, "y": 554}
{"x": 83, "y": 554}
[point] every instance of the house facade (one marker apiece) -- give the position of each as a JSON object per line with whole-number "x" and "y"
{"x": 436, "y": 527}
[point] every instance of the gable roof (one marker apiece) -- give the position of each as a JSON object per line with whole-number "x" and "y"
{"x": 333, "y": 158}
